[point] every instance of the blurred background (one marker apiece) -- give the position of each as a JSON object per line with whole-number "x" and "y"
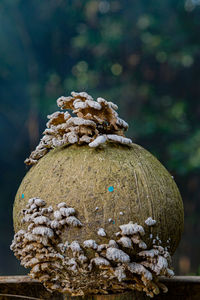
{"x": 143, "y": 55}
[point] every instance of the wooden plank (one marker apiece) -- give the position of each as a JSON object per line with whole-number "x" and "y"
{"x": 21, "y": 287}
{"x": 16, "y": 279}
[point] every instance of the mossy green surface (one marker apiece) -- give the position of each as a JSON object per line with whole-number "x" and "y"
{"x": 81, "y": 176}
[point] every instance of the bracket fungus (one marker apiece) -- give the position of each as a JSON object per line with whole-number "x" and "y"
{"x": 75, "y": 235}
{"x": 96, "y": 122}
{"x": 62, "y": 266}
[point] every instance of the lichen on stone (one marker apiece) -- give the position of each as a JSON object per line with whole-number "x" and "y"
{"x": 96, "y": 122}
{"x": 115, "y": 264}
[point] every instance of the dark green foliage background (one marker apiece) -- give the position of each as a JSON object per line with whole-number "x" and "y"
{"x": 143, "y": 55}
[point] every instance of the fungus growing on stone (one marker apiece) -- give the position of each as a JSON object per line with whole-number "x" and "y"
{"x": 125, "y": 242}
{"x": 90, "y": 244}
{"x": 101, "y": 232}
{"x": 130, "y": 229}
{"x": 150, "y": 221}
{"x": 56, "y": 264}
{"x": 76, "y": 240}
{"x": 117, "y": 255}
{"x": 100, "y": 262}
{"x": 96, "y": 123}
{"x": 75, "y": 247}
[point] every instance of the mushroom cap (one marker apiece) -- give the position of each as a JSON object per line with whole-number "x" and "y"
{"x": 81, "y": 176}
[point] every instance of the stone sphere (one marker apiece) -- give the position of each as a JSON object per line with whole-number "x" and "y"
{"x": 107, "y": 187}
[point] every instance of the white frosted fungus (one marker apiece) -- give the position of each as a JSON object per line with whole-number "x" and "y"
{"x": 100, "y": 261}
{"x": 149, "y": 253}
{"x": 65, "y": 266}
{"x": 73, "y": 221}
{"x": 121, "y": 213}
{"x": 130, "y": 228}
{"x": 40, "y": 230}
{"x": 90, "y": 244}
{"x": 31, "y": 201}
{"x": 102, "y": 247}
{"x": 75, "y": 247}
{"x": 67, "y": 211}
{"x": 41, "y": 220}
{"x": 122, "y": 123}
{"x": 55, "y": 224}
{"x": 142, "y": 245}
{"x": 96, "y": 123}
{"x": 82, "y": 258}
{"x": 117, "y": 255}
{"x": 170, "y": 272}
{"x": 57, "y": 215}
{"x": 119, "y": 273}
{"x": 37, "y": 202}
{"x": 140, "y": 270}
{"x": 101, "y": 232}
{"x": 62, "y": 204}
{"x": 125, "y": 242}
{"x": 119, "y": 139}
{"x": 113, "y": 244}
{"x": 98, "y": 141}
{"x": 150, "y": 221}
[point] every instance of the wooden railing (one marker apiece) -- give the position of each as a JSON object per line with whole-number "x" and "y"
{"x": 23, "y": 287}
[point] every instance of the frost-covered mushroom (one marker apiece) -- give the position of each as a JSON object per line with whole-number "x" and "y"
{"x": 101, "y": 232}
{"x": 73, "y": 221}
{"x": 90, "y": 244}
{"x": 130, "y": 229}
{"x": 150, "y": 222}
{"x": 125, "y": 242}
{"x": 101, "y": 139}
{"x": 113, "y": 244}
{"x": 117, "y": 255}
{"x": 140, "y": 270}
{"x": 62, "y": 266}
{"x": 120, "y": 273}
{"x": 119, "y": 139}
{"x": 96, "y": 123}
{"x": 100, "y": 262}
{"x": 67, "y": 211}
{"x": 39, "y": 248}
{"x": 65, "y": 102}
{"x": 75, "y": 247}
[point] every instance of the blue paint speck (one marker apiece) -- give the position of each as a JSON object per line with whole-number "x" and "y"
{"x": 22, "y": 196}
{"x": 111, "y": 189}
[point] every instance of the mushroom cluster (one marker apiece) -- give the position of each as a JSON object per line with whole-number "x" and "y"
{"x": 87, "y": 267}
{"x": 95, "y": 123}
